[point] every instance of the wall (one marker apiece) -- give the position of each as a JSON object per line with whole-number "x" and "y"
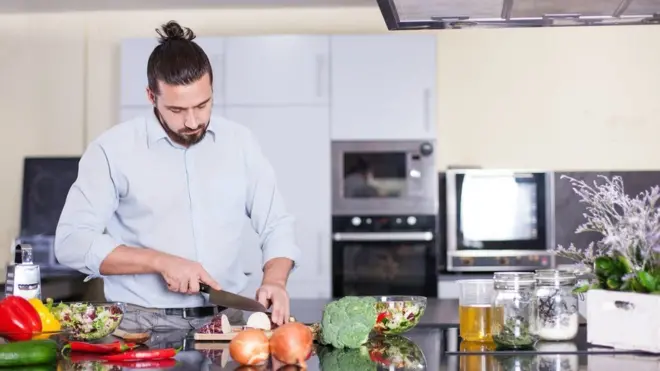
{"x": 554, "y": 98}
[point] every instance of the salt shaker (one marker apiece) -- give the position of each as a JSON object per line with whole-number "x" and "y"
{"x": 556, "y": 305}
{"x": 23, "y": 276}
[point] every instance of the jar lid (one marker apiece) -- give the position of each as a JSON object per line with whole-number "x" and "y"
{"x": 514, "y": 279}
{"x": 556, "y": 276}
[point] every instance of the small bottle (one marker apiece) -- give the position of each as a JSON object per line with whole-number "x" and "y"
{"x": 556, "y": 305}
{"x": 513, "y": 311}
{"x": 23, "y": 277}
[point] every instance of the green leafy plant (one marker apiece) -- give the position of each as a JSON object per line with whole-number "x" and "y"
{"x": 347, "y": 322}
{"x": 515, "y": 334}
{"x": 627, "y": 257}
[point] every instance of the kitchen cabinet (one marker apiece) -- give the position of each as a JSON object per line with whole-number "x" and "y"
{"x": 296, "y": 141}
{"x": 277, "y": 70}
{"x": 133, "y": 68}
{"x": 383, "y": 86}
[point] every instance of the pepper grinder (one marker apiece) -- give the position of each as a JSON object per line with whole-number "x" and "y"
{"x": 23, "y": 276}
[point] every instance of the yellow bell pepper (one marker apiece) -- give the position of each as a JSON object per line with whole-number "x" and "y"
{"x": 48, "y": 321}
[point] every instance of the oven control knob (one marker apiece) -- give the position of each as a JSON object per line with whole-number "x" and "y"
{"x": 356, "y": 221}
{"x": 411, "y": 220}
{"x": 426, "y": 149}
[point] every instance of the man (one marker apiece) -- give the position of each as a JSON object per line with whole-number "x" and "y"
{"x": 358, "y": 182}
{"x": 160, "y": 201}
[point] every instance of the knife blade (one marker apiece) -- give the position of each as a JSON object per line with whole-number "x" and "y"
{"x": 230, "y": 300}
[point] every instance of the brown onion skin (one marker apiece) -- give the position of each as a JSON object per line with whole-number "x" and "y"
{"x": 292, "y": 343}
{"x": 250, "y": 347}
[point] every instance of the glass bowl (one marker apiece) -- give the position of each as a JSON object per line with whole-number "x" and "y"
{"x": 89, "y": 320}
{"x": 398, "y": 314}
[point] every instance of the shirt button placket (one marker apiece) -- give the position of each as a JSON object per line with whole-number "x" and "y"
{"x": 188, "y": 160}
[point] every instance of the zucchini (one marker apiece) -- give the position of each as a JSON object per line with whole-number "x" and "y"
{"x": 28, "y": 353}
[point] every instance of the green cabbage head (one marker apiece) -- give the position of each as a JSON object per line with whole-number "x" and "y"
{"x": 347, "y": 322}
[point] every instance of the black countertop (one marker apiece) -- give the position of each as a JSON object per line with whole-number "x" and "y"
{"x": 433, "y": 345}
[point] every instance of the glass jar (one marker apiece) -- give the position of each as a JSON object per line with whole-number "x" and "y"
{"x": 556, "y": 305}
{"x": 513, "y": 310}
{"x": 584, "y": 276}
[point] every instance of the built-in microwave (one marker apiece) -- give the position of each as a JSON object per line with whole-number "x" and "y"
{"x": 499, "y": 220}
{"x": 384, "y": 178}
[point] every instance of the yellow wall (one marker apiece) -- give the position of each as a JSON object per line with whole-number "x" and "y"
{"x": 546, "y": 98}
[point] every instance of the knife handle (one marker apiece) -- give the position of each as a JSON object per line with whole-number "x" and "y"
{"x": 204, "y": 288}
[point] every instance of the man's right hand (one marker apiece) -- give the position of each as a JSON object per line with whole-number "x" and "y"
{"x": 183, "y": 275}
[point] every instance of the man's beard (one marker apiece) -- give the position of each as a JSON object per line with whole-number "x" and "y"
{"x": 183, "y": 137}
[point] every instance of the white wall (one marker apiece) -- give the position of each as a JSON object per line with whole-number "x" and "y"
{"x": 548, "y": 98}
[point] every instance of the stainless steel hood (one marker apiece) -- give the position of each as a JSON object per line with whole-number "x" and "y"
{"x": 457, "y": 14}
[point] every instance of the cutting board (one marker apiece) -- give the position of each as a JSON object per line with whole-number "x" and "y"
{"x": 226, "y": 337}
{"x": 223, "y": 337}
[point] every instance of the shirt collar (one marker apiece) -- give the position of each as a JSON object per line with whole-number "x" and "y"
{"x": 156, "y": 133}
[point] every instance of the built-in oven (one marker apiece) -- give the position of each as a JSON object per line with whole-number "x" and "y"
{"x": 384, "y": 178}
{"x": 499, "y": 220}
{"x": 384, "y": 255}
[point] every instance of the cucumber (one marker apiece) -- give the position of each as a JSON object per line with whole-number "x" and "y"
{"x": 28, "y": 353}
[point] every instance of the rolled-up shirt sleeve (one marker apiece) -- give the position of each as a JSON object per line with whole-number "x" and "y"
{"x": 80, "y": 239}
{"x": 266, "y": 209}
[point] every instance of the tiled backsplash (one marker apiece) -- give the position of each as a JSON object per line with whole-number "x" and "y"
{"x": 568, "y": 211}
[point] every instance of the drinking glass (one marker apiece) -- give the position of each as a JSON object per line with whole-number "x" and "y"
{"x": 475, "y": 311}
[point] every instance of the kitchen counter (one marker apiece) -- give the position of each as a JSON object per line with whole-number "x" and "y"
{"x": 433, "y": 345}
{"x": 425, "y": 348}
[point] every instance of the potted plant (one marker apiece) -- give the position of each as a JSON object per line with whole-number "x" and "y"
{"x": 622, "y": 300}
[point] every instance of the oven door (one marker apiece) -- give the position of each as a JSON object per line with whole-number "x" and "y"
{"x": 402, "y": 263}
{"x": 383, "y": 178}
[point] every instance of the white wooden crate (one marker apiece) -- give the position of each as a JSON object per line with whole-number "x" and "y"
{"x": 623, "y": 320}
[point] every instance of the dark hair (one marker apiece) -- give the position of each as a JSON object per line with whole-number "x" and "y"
{"x": 360, "y": 166}
{"x": 177, "y": 60}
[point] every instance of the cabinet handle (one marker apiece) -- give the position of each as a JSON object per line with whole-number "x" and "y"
{"x": 320, "y": 67}
{"x": 427, "y": 110}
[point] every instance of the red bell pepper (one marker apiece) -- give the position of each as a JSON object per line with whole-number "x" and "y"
{"x": 18, "y": 319}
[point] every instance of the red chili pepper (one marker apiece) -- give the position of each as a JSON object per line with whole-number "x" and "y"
{"x": 114, "y": 347}
{"x": 381, "y": 316}
{"x": 18, "y": 319}
{"x": 154, "y": 363}
{"x": 139, "y": 355}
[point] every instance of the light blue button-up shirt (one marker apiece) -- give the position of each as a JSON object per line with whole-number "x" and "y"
{"x": 136, "y": 187}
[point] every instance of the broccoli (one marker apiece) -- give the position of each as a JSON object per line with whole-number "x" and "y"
{"x": 332, "y": 359}
{"x": 347, "y": 322}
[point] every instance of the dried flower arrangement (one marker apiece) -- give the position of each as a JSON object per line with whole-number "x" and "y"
{"x": 627, "y": 258}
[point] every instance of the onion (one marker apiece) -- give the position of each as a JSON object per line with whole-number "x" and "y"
{"x": 259, "y": 320}
{"x": 249, "y": 347}
{"x": 292, "y": 343}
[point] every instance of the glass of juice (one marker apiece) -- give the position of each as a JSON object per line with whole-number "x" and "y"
{"x": 475, "y": 311}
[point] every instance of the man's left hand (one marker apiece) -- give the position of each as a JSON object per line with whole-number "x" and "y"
{"x": 273, "y": 295}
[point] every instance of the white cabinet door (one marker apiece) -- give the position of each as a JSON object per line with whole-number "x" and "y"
{"x": 131, "y": 112}
{"x": 215, "y": 50}
{"x": 383, "y": 86}
{"x": 135, "y": 56}
{"x": 296, "y": 141}
{"x": 277, "y": 70}
{"x": 133, "y": 69}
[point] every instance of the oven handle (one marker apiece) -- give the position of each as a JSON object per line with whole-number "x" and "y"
{"x": 383, "y": 236}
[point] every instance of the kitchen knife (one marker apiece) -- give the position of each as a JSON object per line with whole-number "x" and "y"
{"x": 229, "y": 300}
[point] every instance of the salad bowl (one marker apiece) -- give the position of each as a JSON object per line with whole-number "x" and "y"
{"x": 88, "y": 320}
{"x": 398, "y": 314}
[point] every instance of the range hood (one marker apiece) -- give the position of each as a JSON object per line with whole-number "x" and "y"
{"x": 458, "y": 14}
